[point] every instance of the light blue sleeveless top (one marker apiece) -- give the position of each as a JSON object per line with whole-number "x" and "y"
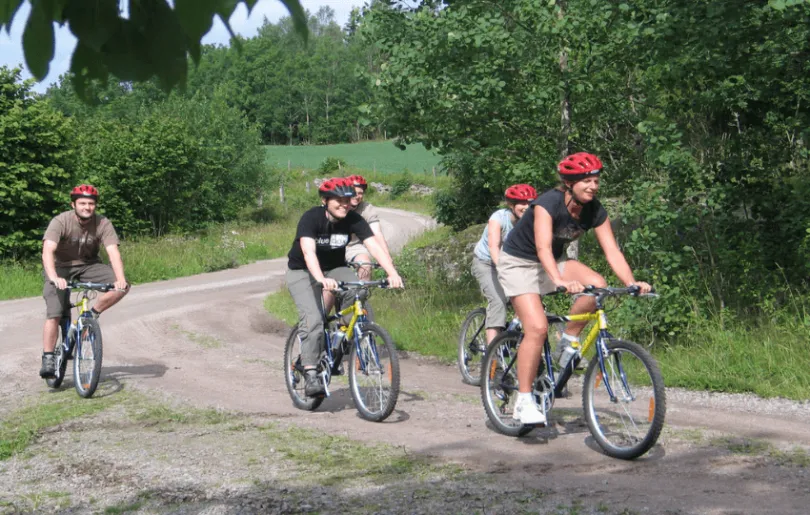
{"x": 504, "y": 219}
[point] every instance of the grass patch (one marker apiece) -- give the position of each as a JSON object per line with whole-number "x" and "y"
{"x": 380, "y": 156}
{"x": 767, "y": 358}
{"x": 150, "y": 413}
{"x": 203, "y": 340}
{"x": 20, "y": 428}
{"x": 329, "y": 457}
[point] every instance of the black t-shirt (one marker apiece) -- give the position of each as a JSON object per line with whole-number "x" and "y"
{"x": 330, "y": 238}
{"x": 566, "y": 228}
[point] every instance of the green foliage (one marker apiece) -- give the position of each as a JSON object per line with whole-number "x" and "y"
{"x": 379, "y": 156}
{"x": 177, "y": 164}
{"x": 401, "y": 185}
{"x": 154, "y": 39}
{"x": 331, "y": 165}
{"x": 703, "y": 127}
{"x": 35, "y": 163}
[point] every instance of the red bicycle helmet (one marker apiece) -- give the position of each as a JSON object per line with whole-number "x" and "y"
{"x": 84, "y": 191}
{"x": 358, "y": 181}
{"x": 578, "y": 166}
{"x": 521, "y": 193}
{"x": 337, "y": 187}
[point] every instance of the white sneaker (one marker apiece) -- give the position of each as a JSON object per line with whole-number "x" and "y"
{"x": 527, "y": 411}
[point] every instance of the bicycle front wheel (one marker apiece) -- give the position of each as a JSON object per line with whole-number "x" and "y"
{"x": 472, "y": 345}
{"x": 374, "y": 373}
{"x": 87, "y": 358}
{"x": 294, "y": 374}
{"x": 499, "y": 388}
{"x": 628, "y": 425}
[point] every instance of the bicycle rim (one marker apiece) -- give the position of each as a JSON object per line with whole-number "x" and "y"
{"x": 294, "y": 374}
{"x": 87, "y": 358}
{"x": 499, "y": 389}
{"x": 472, "y": 345}
{"x": 374, "y": 373}
{"x": 629, "y": 426}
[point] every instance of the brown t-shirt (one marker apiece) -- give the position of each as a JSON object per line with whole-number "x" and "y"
{"x": 78, "y": 244}
{"x": 369, "y": 214}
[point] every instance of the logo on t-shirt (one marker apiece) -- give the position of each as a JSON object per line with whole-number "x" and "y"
{"x": 333, "y": 241}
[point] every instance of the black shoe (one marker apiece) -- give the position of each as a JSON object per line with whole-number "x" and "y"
{"x": 313, "y": 387}
{"x": 48, "y": 369}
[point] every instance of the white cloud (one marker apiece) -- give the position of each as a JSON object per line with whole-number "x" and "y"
{"x": 11, "y": 52}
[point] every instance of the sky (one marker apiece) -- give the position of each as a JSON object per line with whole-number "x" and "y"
{"x": 11, "y": 52}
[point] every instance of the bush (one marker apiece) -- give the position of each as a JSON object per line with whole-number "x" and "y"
{"x": 331, "y": 165}
{"x": 401, "y": 185}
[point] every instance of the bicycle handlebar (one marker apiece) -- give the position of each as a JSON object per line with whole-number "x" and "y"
{"x": 356, "y": 285}
{"x": 102, "y": 287}
{"x": 358, "y": 264}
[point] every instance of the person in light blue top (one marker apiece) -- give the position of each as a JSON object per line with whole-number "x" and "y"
{"x": 487, "y": 253}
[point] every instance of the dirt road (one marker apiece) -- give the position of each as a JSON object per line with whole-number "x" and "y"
{"x": 207, "y": 340}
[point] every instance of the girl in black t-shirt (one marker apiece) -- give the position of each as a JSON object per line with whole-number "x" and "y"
{"x": 317, "y": 261}
{"x": 534, "y": 262}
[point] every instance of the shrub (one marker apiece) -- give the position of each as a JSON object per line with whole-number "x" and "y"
{"x": 330, "y": 165}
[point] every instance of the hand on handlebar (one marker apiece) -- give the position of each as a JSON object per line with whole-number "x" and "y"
{"x": 395, "y": 281}
{"x": 60, "y": 283}
{"x": 121, "y": 285}
{"x": 571, "y": 286}
{"x": 643, "y": 287}
{"x": 329, "y": 284}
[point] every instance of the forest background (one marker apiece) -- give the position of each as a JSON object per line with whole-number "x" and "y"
{"x": 699, "y": 111}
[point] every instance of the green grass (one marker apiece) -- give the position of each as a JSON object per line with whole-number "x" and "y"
{"x": 767, "y": 358}
{"x": 380, "y": 156}
{"x": 20, "y": 280}
{"x": 21, "y": 427}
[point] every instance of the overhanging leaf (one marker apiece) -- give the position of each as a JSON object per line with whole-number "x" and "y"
{"x": 38, "y": 41}
{"x": 7, "y": 10}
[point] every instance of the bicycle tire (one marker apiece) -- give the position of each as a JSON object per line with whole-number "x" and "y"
{"x": 294, "y": 374}
{"x": 60, "y": 359}
{"x": 87, "y": 356}
{"x": 472, "y": 346}
{"x": 499, "y": 402}
{"x": 373, "y": 360}
{"x": 630, "y": 431}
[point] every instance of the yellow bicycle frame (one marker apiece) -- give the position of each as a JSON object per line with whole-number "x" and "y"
{"x": 593, "y": 334}
{"x": 356, "y": 310}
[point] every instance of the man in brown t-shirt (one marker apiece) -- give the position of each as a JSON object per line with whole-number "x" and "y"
{"x": 70, "y": 251}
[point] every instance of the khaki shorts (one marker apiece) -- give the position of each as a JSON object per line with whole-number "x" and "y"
{"x": 57, "y": 301}
{"x": 352, "y": 251}
{"x": 519, "y": 276}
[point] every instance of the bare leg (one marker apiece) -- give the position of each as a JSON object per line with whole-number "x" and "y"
{"x": 109, "y": 299}
{"x": 49, "y": 334}
{"x": 492, "y": 332}
{"x": 364, "y": 272}
{"x": 529, "y": 307}
{"x": 576, "y": 271}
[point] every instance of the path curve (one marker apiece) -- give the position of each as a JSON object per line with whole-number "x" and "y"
{"x": 207, "y": 340}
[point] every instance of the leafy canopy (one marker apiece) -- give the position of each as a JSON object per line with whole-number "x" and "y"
{"x": 153, "y": 40}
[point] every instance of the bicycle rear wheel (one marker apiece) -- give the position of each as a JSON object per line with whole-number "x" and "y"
{"x": 87, "y": 358}
{"x": 61, "y": 359}
{"x": 374, "y": 373}
{"x": 499, "y": 389}
{"x": 294, "y": 374}
{"x": 472, "y": 345}
{"x": 630, "y": 426}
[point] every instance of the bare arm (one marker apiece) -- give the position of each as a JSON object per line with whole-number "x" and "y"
{"x": 49, "y": 264}
{"x": 308, "y": 247}
{"x": 384, "y": 259}
{"x": 614, "y": 256}
{"x": 376, "y": 228}
{"x": 494, "y": 240}
{"x": 118, "y": 266}
{"x": 543, "y": 237}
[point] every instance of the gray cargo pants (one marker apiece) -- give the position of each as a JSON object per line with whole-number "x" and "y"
{"x": 306, "y": 293}
{"x": 487, "y": 276}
